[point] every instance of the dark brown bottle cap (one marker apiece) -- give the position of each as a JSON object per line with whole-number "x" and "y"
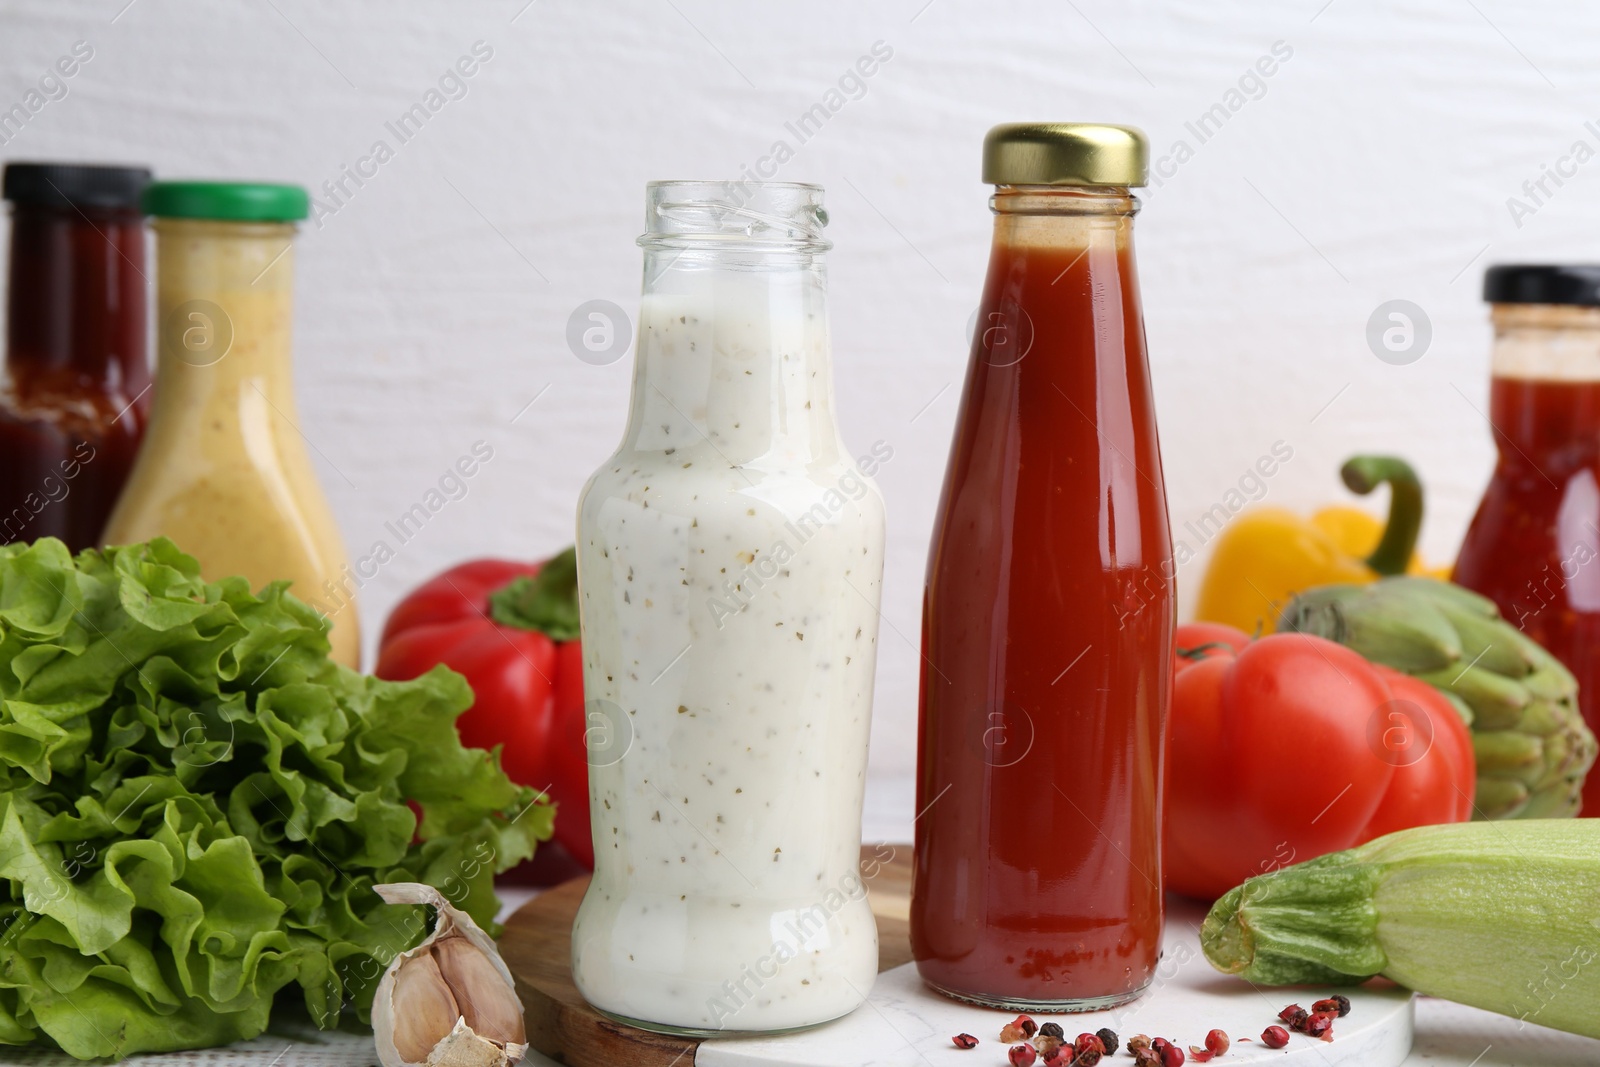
{"x": 79, "y": 185}
{"x": 1574, "y": 284}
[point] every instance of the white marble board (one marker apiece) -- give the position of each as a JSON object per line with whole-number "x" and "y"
{"x": 904, "y": 1023}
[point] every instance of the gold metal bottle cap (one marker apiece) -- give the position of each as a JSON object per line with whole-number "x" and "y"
{"x": 1065, "y": 153}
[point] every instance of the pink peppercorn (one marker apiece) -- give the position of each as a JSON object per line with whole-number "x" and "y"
{"x": 1022, "y": 1055}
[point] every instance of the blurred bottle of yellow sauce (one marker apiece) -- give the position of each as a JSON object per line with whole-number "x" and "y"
{"x": 224, "y": 470}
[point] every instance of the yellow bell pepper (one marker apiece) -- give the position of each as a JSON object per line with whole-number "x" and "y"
{"x": 1267, "y": 555}
{"x": 1358, "y": 532}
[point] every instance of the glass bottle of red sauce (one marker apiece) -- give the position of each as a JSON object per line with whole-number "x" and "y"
{"x": 74, "y": 390}
{"x": 1047, "y": 623}
{"x": 1534, "y": 544}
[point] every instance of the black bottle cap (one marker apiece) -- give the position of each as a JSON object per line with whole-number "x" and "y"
{"x": 77, "y": 185}
{"x": 1526, "y": 283}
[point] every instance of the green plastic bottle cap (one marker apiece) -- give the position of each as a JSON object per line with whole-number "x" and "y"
{"x": 231, "y": 201}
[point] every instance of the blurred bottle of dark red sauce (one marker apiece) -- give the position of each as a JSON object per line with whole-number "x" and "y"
{"x": 1534, "y": 544}
{"x": 76, "y": 380}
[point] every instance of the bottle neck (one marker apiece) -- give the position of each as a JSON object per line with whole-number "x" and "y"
{"x": 1544, "y": 398}
{"x": 224, "y": 306}
{"x": 733, "y": 357}
{"x": 1550, "y": 342}
{"x": 1081, "y": 200}
{"x": 1063, "y": 216}
{"x": 75, "y": 307}
{"x": 1061, "y": 283}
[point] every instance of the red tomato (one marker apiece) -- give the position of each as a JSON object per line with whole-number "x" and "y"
{"x": 1286, "y": 748}
{"x": 1196, "y": 641}
{"x": 1199, "y": 803}
{"x": 1301, "y": 707}
{"x": 1429, "y": 743}
{"x": 1270, "y": 760}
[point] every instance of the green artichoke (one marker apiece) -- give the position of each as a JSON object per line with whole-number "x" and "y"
{"x": 1533, "y": 748}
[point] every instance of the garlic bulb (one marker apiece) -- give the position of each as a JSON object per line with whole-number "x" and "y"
{"x": 449, "y": 1002}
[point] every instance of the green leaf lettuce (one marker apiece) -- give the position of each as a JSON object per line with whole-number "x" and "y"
{"x": 195, "y": 803}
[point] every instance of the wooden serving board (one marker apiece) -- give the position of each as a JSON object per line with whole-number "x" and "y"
{"x": 537, "y": 946}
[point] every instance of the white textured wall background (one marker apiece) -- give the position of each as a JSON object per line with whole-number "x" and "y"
{"x": 1376, "y": 164}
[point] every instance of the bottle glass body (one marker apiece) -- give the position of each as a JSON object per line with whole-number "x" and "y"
{"x": 224, "y": 470}
{"x": 730, "y": 557}
{"x": 1047, "y": 630}
{"x": 76, "y": 384}
{"x": 1533, "y": 546}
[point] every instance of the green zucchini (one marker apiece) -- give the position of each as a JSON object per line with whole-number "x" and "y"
{"x": 1502, "y": 916}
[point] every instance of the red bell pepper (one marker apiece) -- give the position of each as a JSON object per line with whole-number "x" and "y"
{"x": 512, "y": 629}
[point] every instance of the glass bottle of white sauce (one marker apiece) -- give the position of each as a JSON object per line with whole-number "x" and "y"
{"x": 730, "y": 559}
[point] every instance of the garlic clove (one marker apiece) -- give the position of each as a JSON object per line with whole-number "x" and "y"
{"x": 424, "y": 1007}
{"x": 490, "y": 1007}
{"x": 463, "y": 1048}
{"x": 451, "y": 1000}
